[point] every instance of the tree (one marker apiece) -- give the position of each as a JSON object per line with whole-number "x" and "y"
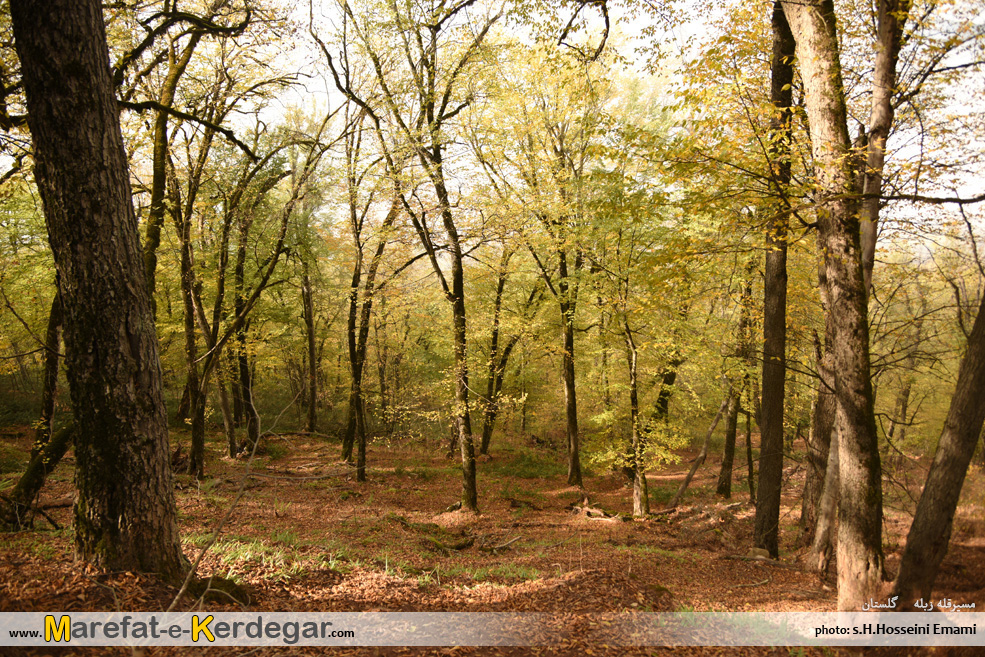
{"x": 860, "y": 556}
{"x": 418, "y": 108}
{"x": 775, "y": 294}
{"x": 125, "y": 515}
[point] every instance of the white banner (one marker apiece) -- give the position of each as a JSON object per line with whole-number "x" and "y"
{"x": 245, "y": 629}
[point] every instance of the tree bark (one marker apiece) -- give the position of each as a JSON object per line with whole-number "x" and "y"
{"x": 125, "y": 515}
{"x": 766, "y": 532}
{"x": 492, "y": 364}
{"x": 823, "y": 413}
{"x": 860, "y": 555}
{"x": 823, "y": 543}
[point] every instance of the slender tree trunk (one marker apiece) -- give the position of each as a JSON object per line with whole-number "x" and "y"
{"x": 155, "y": 216}
{"x": 125, "y": 514}
{"x": 892, "y": 16}
{"x": 703, "y": 454}
{"x": 250, "y": 414}
{"x": 228, "y": 422}
{"x": 731, "y": 424}
{"x": 860, "y": 556}
{"x": 309, "y": 327}
{"x": 926, "y": 543}
{"x": 235, "y": 391}
{"x": 641, "y": 497}
{"x": 751, "y": 475}
{"x": 49, "y": 381}
{"x": 16, "y": 512}
{"x": 360, "y": 440}
{"x": 352, "y": 344}
{"x": 492, "y": 365}
{"x": 766, "y": 533}
{"x": 382, "y": 366}
{"x": 193, "y": 383}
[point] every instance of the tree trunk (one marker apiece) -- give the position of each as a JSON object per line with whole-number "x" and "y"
{"x": 751, "y": 475}
{"x": 49, "y": 389}
{"x": 703, "y": 454}
{"x": 492, "y": 365}
{"x": 766, "y": 533}
{"x": 641, "y": 497}
{"x": 155, "y": 215}
{"x": 246, "y": 391}
{"x": 193, "y": 383}
{"x": 125, "y": 514}
{"x": 892, "y": 20}
{"x": 823, "y": 544}
{"x": 728, "y": 457}
{"x": 16, "y": 512}
{"x": 309, "y": 327}
{"x": 819, "y": 439}
{"x": 926, "y": 543}
{"x": 860, "y": 556}
{"x": 228, "y": 421}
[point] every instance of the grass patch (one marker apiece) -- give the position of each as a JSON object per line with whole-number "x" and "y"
{"x": 507, "y": 571}
{"x": 662, "y": 495}
{"x": 527, "y": 464}
{"x": 275, "y": 450}
{"x": 257, "y": 558}
{"x": 286, "y": 536}
{"x": 13, "y": 460}
{"x": 651, "y": 550}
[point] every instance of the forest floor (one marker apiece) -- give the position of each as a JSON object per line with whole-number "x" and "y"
{"x": 305, "y": 536}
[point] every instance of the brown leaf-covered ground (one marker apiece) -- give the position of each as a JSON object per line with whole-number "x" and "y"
{"x": 305, "y": 536}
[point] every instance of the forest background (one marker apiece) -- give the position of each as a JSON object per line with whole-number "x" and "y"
{"x": 446, "y": 225}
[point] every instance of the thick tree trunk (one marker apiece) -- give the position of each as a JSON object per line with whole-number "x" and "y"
{"x": 860, "y": 556}
{"x": 728, "y": 457}
{"x": 125, "y": 515}
{"x": 766, "y": 533}
{"x": 926, "y": 543}
{"x": 822, "y": 547}
{"x": 819, "y": 438}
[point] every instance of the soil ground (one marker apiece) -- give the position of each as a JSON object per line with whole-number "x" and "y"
{"x": 305, "y": 536}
